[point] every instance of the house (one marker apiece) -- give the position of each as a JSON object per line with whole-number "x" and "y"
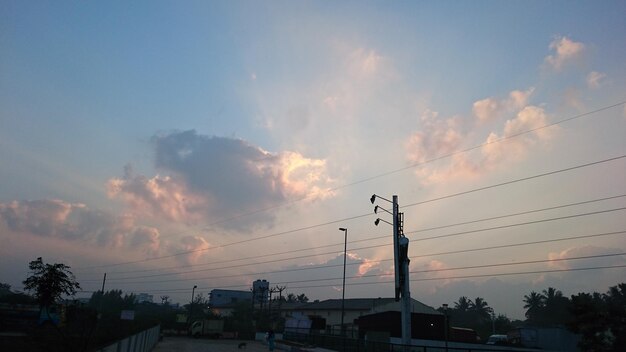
{"x": 327, "y": 314}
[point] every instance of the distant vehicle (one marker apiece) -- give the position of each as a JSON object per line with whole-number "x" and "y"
{"x": 498, "y": 340}
{"x": 558, "y": 339}
{"x": 463, "y": 335}
{"x": 212, "y": 328}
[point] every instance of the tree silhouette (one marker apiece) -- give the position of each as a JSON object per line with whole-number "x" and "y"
{"x": 50, "y": 282}
{"x": 463, "y": 304}
{"x": 480, "y": 309}
{"x": 533, "y": 304}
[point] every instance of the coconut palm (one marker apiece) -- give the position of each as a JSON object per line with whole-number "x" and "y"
{"x": 534, "y": 302}
{"x": 480, "y": 309}
{"x": 463, "y": 305}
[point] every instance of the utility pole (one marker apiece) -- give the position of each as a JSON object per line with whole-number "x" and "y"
{"x": 402, "y": 258}
{"x": 401, "y": 265}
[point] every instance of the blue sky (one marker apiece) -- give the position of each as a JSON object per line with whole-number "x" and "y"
{"x": 132, "y": 130}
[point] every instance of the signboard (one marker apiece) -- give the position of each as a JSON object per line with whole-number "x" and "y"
{"x": 128, "y": 315}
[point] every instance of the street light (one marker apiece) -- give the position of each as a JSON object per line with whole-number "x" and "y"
{"x": 377, "y": 221}
{"x": 193, "y": 290}
{"x": 445, "y": 319}
{"x": 374, "y": 196}
{"x": 343, "y": 290}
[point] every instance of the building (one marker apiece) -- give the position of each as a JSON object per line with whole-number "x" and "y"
{"x": 222, "y": 302}
{"x": 144, "y": 297}
{"x": 327, "y": 314}
{"x": 261, "y": 289}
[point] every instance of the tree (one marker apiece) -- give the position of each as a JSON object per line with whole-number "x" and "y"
{"x": 50, "y": 282}
{"x": 302, "y": 298}
{"x": 480, "y": 309}
{"x": 533, "y": 304}
{"x": 165, "y": 300}
{"x": 463, "y": 304}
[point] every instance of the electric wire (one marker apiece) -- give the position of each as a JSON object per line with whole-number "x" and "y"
{"x": 440, "y": 157}
{"x": 362, "y": 262}
{"x": 376, "y": 237}
{"x": 392, "y": 281}
{"x": 385, "y": 260}
{"x": 357, "y": 216}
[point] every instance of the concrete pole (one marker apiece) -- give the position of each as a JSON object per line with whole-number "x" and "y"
{"x": 404, "y": 268}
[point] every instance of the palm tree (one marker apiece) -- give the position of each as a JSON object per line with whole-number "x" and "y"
{"x": 481, "y": 309}
{"x": 463, "y": 305}
{"x": 533, "y": 304}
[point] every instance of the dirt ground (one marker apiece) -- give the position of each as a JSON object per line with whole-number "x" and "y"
{"x": 186, "y": 344}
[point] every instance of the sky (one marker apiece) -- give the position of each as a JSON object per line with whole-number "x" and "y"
{"x": 212, "y": 143}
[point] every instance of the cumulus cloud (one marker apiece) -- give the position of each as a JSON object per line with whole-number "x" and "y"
{"x": 556, "y": 258}
{"x": 491, "y": 108}
{"x": 564, "y": 50}
{"x": 76, "y": 223}
{"x": 209, "y": 178}
{"x": 595, "y": 79}
{"x": 438, "y": 137}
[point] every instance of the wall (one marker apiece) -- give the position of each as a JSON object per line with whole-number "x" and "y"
{"x": 141, "y": 342}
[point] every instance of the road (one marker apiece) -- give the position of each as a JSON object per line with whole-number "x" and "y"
{"x": 186, "y": 344}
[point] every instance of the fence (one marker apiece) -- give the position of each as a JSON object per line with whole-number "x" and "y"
{"x": 140, "y": 342}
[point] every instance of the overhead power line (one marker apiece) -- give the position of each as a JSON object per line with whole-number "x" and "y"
{"x": 357, "y": 216}
{"x": 363, "y": 262}
{"x": 377, "y": 246}
{"x": 391, "y": 281}
{"x": 307, "y": 249}
{"x": 437, "y": 158}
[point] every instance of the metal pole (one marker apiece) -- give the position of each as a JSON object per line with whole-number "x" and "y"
{"x": 103, "y": 281}
{"x": 445, "y": 319}
{"x": 193, "y": 290}
{"x": 343, "y": 289}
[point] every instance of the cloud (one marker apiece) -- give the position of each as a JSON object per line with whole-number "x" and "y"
{"x": 531, "y": 117}
{"x": 565, "y": 50}
{"x": 209, "y": 178}
{"x": 76, "y": 223}
{"x": 556, "y": 258}
{"x": 595, "y": 79}
{"x": 491, "y": 108}
{"x": 438, "y": 137}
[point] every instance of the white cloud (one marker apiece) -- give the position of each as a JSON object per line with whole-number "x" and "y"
{"x": 557, "y": 258}
{"x": 438, "y": 137}
{"x": 595, "y": 79}
{"x": 491, "y": 108}
{"x": 565, "y": 50}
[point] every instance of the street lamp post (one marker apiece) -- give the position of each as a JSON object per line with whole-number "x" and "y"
{"x": 343, "y": 289}
{"x": 445, "y": 320}
{"x": 193, "y": 291}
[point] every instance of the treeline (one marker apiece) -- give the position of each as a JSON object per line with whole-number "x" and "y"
{"x": 599, "y": 318}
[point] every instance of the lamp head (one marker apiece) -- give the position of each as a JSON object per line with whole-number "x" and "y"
{"x": 376, "y": 209}
{"x": 343, "y": 229}
{"x": 376, "y": 222}
{"x": 195, "y": 286}
{"x": 373, "y": 198}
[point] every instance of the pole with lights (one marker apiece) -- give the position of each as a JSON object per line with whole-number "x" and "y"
{"x": 401, "y": 263}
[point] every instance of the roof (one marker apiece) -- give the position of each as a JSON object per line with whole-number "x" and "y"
{"x": 365, "y": 304}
